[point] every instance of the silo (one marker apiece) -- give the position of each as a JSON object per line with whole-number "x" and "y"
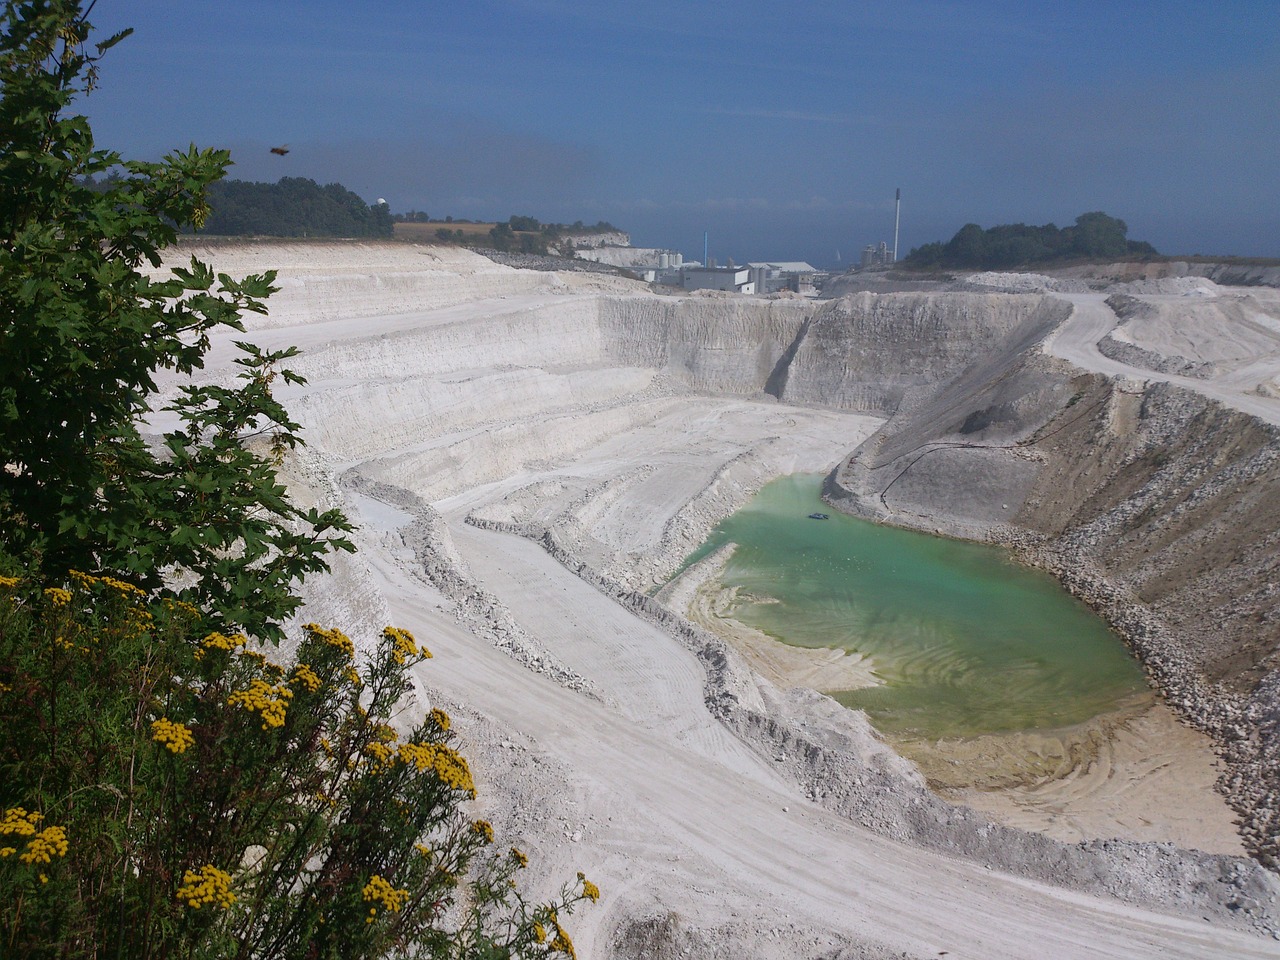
{"x": 678, "y": 261}
{"x": 664, "y": 261}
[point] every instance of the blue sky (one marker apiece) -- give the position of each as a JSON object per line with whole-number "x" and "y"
{"x": 782, "y": 128}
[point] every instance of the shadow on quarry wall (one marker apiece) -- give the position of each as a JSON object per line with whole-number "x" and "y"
{"x": 866, "y": 353}
{"x": 1157, "y": 506}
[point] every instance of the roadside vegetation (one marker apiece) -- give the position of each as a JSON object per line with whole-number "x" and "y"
{"x": 1095, "y": 236}
{"x": 170, "y": 787}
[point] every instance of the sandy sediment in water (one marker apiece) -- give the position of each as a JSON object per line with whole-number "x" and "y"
{"x": 1136, "y": 774}
{"x": 700, "y": 596}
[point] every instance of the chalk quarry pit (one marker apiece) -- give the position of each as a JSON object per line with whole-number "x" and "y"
{"x": 530, "y": 454}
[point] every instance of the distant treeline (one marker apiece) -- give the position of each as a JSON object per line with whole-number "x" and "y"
{"x": 292, "y": 207}
{"x": 1095, "y": 236}
{"x": 518, "y": 234}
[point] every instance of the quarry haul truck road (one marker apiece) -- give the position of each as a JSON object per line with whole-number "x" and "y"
{"x": 1092, "y": 319}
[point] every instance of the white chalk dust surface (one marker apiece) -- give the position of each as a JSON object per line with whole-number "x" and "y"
{"x": 459, "y": 387}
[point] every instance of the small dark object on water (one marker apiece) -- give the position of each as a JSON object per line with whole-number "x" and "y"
{"x": 819, "y": 516}
{"x": 280, "y": 151}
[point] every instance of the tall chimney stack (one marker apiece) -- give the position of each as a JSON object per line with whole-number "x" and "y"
{"x": 897, "y": 209}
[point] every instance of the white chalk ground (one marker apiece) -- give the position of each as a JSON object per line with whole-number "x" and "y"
{"x": 1237, "y": 331}
{"x": 639, "y": 786}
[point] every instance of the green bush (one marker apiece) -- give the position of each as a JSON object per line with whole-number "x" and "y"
{"x": 166, "y": 789}
{"x": 172, "y": 793}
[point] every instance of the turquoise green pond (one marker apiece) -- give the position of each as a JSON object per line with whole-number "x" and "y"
{"x": 967, "y": 642}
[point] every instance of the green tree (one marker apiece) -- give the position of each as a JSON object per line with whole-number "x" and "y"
{"x": 969, "y": 246}
{"x": 166, "y": 790}
{"x": 293, "y": 207}
{"x": 83, "y": 333}
{"x": 1098, "y": 235}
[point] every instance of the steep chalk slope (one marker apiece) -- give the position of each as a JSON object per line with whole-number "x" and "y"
{"x": 1156, "y": 503}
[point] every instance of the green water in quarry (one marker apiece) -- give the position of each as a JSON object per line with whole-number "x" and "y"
{"x": 967, "y": 641}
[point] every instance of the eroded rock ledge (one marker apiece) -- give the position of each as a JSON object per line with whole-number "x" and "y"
{"x": 1156, "y": 505}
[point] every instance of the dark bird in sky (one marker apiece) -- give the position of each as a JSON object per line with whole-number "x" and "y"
{"x": 280, "y": 151}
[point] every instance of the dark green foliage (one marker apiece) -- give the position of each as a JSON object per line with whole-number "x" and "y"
{"x": 166, "y": 790}
{"x": 503, "y": 237}
{"x": 293, "y": 207}
{"x": 83, "y": 334}
{"x": 1095, "y": 236}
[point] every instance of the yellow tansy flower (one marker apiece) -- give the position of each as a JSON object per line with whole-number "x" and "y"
{"x": 304, "y": 675}
{"x": 269, "y": 701}
{"x": 44, "y": 846}
{"x": 379, "y": 890}
{"x": 58, "y": 597}
{"x": 447, "y": 764}
{"x": 210, "y": 885}
{"x": 333, "y": 637}
{"x": 175, "y": 736}
{"x": 17, "y": 821}
{"x": 402, "y": 644}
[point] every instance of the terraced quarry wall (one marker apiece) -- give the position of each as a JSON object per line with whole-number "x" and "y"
{"x": 1157, "y": 505}
{"x": 468, "y": 415}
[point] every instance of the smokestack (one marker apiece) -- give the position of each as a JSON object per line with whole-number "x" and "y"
{"x": 705, "y": 262}
{"x": 897, "y": 209}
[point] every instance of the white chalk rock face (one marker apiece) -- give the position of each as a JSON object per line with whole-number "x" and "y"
{"x": 530, "y": 455}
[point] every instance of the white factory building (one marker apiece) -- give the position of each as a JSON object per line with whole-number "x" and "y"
{"x": 670, "y": 268}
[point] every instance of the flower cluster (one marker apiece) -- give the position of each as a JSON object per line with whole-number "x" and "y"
{"x": 333, "y": 637}
{"x": 175, "y": 736}
{"x": 261, "y": 697}
{"x": 128, "y": 589}
{"x": 379, "y": 890}
{"x": 483, "y": 829}
{"x": 441, "y": 719}
{"x": 269, "y": 667}
{"x": 304, "y": 675}
{"x": 380, "y": 756}
{"x": 561, "y": 943}
{"x": 520, "y": 857}
{"x": 44, "y": 846}
{"x": 403, "y": 645}
{"x": 58, "y": 597}
{"x": 449, "y": 765}
{"x": 220, "y": 641}
{"x": 18, "y": 821}
{"x": 589, "y": 889}
{"x": 210, "y": 885}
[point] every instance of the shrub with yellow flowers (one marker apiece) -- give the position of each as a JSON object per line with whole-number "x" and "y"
{"x": 164, "y": 797}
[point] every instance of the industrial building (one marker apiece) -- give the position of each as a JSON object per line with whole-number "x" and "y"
{"x": 877, "y": 256}
{"x": 733, "y": 279}
{"x": 794, "y": 275}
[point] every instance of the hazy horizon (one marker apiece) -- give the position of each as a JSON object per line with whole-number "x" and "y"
{"x": 782, "y": 131}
